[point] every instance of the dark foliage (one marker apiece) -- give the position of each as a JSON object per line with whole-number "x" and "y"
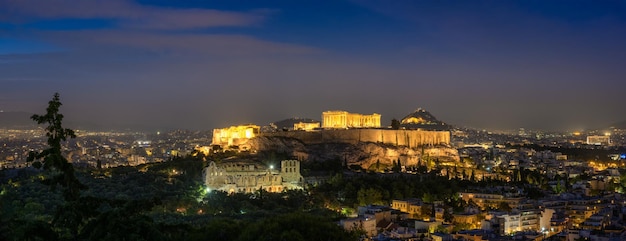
{"x": 52, "y": 159}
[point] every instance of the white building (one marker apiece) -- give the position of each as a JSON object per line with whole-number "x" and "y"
{"x": 248, "y": 178}
{"x": 367, "y": 224}
{"x": 599, "y": 140}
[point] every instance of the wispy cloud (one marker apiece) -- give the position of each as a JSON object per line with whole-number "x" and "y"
{"x": 127, "y": 14}
{"x": 218, "y": 44}
{"x": 143, "y": 27}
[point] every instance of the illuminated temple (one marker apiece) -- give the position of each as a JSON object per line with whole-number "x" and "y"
{"x": 344, "y": 119}
{"x": 417, "y": 129}
{"x": 306, "y": 126}
{"x": 234, "y": 135}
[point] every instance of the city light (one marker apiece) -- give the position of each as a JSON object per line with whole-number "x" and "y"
{"x": 288, "y": 129}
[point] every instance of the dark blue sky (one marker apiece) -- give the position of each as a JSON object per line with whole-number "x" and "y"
{"x": 205, "y": 64}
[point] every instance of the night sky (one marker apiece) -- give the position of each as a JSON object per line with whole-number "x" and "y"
{"x": 207, "y": 64}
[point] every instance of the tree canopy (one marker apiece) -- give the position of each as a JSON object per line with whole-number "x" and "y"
{"x": 52, "y": 158}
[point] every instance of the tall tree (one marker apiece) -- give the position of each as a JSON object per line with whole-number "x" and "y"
{"x": 397, "y": 167}
{"x": 52, "y": 158}
{"x": 447, "y": 215}
{"x": 504, "y": 206}
{"x": 395, "y": 124}
{"x": 378, "y": 165}
{"x": 367, "y": 196}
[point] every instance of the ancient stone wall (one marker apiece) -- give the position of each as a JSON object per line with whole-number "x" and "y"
{"x": 409, "y": 138}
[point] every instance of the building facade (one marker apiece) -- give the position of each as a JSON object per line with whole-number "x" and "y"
{"x": 366, "y": 224}
{"x": 234, "y": 135}
{"x": 306, "y": 126}
{"x": 486, "y": 200}
{"x": 599, "y": 140}
{"x": 344, "y": 119}
{"x": 248, "y": 178}
{"x": 411, "y": 206}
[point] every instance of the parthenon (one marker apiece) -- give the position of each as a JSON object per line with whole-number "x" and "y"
{"x": 344, "y": 119}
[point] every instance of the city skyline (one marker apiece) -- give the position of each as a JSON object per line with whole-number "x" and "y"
{"x": 198, "y": 65}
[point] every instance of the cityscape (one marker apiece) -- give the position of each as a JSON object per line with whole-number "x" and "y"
{"x": 312, "y": 120}
{"x": 525, "y": 184}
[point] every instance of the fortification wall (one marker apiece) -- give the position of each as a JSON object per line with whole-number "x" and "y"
{"x": 409, "y": 138}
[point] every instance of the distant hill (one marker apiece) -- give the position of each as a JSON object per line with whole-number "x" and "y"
{"x": 16, "y": 120}
{"x": 422, "y": 119}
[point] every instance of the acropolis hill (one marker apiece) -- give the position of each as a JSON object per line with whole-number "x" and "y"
{"x": 357, "y": 138}
{"x": 408, "y": 138}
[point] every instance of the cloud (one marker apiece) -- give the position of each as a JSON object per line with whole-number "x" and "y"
{"x": 194, "y": 43}
{"x": 128, "y": 14}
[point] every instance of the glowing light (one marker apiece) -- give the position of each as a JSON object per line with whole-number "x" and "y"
{"x": 343, "y": 119}
{"x": 414, "y": 120}
{"x": 208, "y": 190}
{"x": 306, "y": 126}
{"x": 234, "y": 135}
{"x": 271, "y": 167}
{"x": 607, "y": 133}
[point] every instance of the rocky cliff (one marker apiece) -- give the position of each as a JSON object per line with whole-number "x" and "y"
{"x": 364, "y": 154}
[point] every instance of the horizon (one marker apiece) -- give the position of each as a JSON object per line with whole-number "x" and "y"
{"x": 91, "y": 126}
{"x": 202, "y": 65}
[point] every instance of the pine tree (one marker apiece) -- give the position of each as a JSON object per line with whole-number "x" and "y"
{"x": 396, "y": 166}
{"x": 378, "y": 165}
{"x": 51, "y": 158}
